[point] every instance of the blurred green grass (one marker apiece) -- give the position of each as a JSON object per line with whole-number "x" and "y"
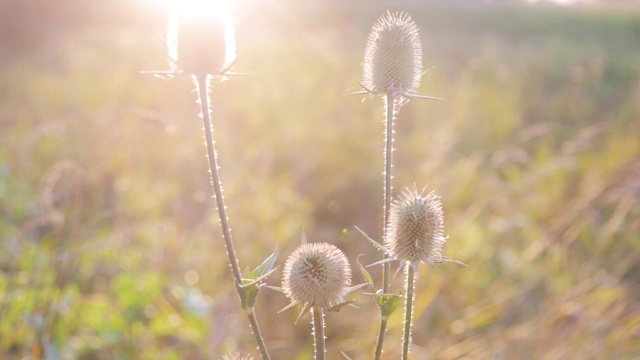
{"x": 110, "y": 243}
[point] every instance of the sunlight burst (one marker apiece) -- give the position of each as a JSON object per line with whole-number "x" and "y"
{"x": 198, "y": 8}
{"x": 199, "y": 18}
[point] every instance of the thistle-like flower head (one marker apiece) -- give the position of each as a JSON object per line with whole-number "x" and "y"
{"x": 393, "y": 56}
{"x": 316, "y": 274}
{"x": 200, "y": 39}
{"x": 237, "y": 356}
{"x": 415, "y": 231}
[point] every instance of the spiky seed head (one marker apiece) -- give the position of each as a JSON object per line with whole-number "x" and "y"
{"x": 200, "y": 40}
{"x": 237, "y": 356}
{"x": 415, "y": 230}
{"x": 317, "y": 274}
{"x": 393, "y": 55}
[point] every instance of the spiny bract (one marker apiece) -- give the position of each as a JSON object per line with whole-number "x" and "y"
{"x": 317, "y": 274}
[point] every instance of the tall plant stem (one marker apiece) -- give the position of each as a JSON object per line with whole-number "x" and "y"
{"x": 408, "y": 311}
{"x": 390, "y": 114}
{"x": 203, "y": 92}
{"x": 388, "y": 176}
{"x": 380, "y": 342}
{"x": 318, "y": 332}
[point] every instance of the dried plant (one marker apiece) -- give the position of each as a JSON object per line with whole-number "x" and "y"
{"x": 392, "y": 68}
{"x": 202, "y": 45}
{"x": 415, "y": 234}
{"x": 393, "y": 57}
{"x": 317, "y": 276}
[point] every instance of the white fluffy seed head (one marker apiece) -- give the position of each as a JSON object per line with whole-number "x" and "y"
{"x": 200, "y": 41}
{"x": 393, "y": 56}
{"x": 415, "y": 229}
{"x": 317, "y": 274}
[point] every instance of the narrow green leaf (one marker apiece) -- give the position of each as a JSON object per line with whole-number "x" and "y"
{"x": 365, "y": 274}
{"x": 250, "y": 281}
{"x": 265, "y": 267}
{"x": 355, "y": 287}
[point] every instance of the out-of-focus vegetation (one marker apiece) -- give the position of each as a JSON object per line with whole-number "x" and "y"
{"x": 109, "y": 241}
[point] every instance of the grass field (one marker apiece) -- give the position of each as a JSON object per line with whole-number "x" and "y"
{"x": 109, "y": 242}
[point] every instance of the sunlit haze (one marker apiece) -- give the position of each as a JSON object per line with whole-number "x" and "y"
{"x": 200, "y": 11}
{"x": 192, "y": 7}
{"x": 111, "y": 239}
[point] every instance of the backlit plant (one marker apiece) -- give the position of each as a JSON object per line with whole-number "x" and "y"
{"x": 317, "y": 276}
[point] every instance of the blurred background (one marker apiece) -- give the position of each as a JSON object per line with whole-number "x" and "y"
{"x": 109, "y": 242}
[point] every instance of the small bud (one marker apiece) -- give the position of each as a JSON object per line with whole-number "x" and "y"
{"x": 415, "y": 229}
{"x": 200, "y": 39}
{"x": 317, "y": 274}
{"x": 393, "y": 56}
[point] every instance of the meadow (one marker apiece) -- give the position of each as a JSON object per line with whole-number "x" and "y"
{"x": 110, "y": 246}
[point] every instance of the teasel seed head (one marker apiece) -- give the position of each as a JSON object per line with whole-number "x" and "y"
{"x": 200, "y": 40}
{"x": 317, "y": 274}
{"x": 393, "y": 56}
{"x": 237, "y": 356}
{"x": 415, "y": 230}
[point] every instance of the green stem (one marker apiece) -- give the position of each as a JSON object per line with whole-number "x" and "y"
{"x": 253, "y": 321}
{"x": 388, "y": 167}
{"x": 383, "y": 328}
{"x": 318, "y": 332}
{"x": 408, "y": 312}
{"x": 203, "y": 92}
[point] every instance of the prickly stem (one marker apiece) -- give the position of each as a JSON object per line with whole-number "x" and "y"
{"x": 408, "y": 310}
{"x": 318, "y": 332}
{"x": 390, "y": 113}
{"x": 203, "y": 92}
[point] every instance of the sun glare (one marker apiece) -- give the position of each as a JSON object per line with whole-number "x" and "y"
{"x": 196, "y": 8}
{"x": 192, "y": 7}
{"x": 203, "y": 15}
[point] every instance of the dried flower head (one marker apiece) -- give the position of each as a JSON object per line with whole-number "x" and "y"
{"x": 393, "y": 56}
{"x": 415, "y": 230}
{"x": 317, "y": 274}
{"x": 200, "y": 39}
{"x": 237, "y": 356}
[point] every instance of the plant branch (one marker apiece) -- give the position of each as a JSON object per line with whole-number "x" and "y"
{"x": 383, "y": 328}
{"x": 203, "y": 92}
{"x": 388, "y": 176}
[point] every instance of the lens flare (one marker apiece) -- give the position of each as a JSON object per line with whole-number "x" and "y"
{"x": 197, "y": 8}
{"x": 205, "y": 23}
